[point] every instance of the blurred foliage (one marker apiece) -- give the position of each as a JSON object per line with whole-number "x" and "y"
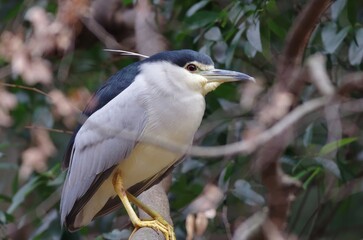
{"x": 247, "y": 36}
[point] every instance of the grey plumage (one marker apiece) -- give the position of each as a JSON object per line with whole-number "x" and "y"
{"x": 160, "y": 96}
{"x": 100, "y": 147}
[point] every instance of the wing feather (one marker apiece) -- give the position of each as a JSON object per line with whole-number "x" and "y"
{"x": 105, "y": 139}
{"x": 112, "y": 87}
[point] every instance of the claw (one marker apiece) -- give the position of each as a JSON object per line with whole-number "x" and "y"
{"x": 158, "y": 224}
{"x": 166, "y": 230}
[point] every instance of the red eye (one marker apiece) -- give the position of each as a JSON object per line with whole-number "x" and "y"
{"x": 191, "y": 68}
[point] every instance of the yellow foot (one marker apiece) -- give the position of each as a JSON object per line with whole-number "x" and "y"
{"x": 166, "y": 229}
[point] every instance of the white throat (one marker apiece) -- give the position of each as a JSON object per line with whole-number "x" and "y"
{"x": 171, "y": 79}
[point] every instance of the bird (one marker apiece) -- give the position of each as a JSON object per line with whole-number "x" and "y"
{"x": 110, "y": 159}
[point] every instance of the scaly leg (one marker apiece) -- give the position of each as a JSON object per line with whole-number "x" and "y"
{"x": 158, "y": 223}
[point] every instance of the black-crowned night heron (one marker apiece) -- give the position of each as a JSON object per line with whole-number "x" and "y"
{"x": 108, "y": 155}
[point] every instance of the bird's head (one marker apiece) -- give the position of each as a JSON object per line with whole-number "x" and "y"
{"x": 195, "y": 69}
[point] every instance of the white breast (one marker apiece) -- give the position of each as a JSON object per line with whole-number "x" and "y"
{"x": 174, "y": 113}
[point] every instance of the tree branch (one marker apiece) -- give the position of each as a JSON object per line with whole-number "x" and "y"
{"x": 297, "y": 40}
{"x": 156, "y": 199}
{"x": 281, "y": 188}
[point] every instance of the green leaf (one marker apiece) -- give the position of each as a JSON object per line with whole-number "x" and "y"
{"x": 42, "y": 116}
{"x": 9, "y": 10}
{"x": 58, "y": 180}
{"x": 311, "y": 177}
{"x": 19, "y": 197}
{"x": 355, "y": 53}
{"x": 201, "y": 19}
{"x": 335, "y": 145}
{"x": 2, "y": 217}
{"x": 196, "y": 7}
{"x": 329, "y": 165}
{"x": 232, "y": 47}
{"x": 213, "y": 34}
{"x": 331, "y": 39}
{"x": 253, "y": 35}
{"x": 206, "y": 49}
{"x": 265, "y": 41}
{"x": 243, "y": 190}
{"x": 45, "y": 224}
{"x": 5, "y": 218}
{"x": 337, "y": 7}
{"x": 352, "y": 11}
{"x": 271, "y": 7}
{"x": 276, "y": 28}
{"x": 228, "y": 170}
{"x": 127, "y": 2}
{"x": 249, "y": 50}
{"x": 4, "y": 198}
{"x": 308, "y": 135}
{"x": 236, "y": 13}
{"x": 219, "y": 51}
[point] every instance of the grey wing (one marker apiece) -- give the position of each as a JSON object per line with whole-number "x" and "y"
{"x": 106, "y": 138}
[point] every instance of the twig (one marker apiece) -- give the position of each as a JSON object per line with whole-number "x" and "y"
{"x": 49, "y": 129}
{"x": 252, "y": 227}
{"x": 249, "y": 145}
{"x": 318, "y": 75}
{"x": 99, "y": 31}
{"x": 64, "y": 66}
{"x": 226, "y": 223}
{"x": 33, "y": 89}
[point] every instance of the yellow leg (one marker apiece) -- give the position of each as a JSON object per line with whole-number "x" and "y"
{"x": 158, "y": 223}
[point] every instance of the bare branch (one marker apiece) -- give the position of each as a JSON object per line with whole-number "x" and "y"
{"x": 247, "y": 146}
{"x": 100, "y": 32}
{"x": 332, "y": 117}
{"x": 49, "y": 129}
{"x": 226, "y": 223}
{"x": 319, "y": 77}
{"x": 156, "y": 199}
{"x": 252, "y": 227}
{"x": 297, "y": 39}
{"x": 34, "y": 89}
{"x": 146, "y": 27}
{"x": 351, "y": 82}
{"x": 280, "y": 187}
